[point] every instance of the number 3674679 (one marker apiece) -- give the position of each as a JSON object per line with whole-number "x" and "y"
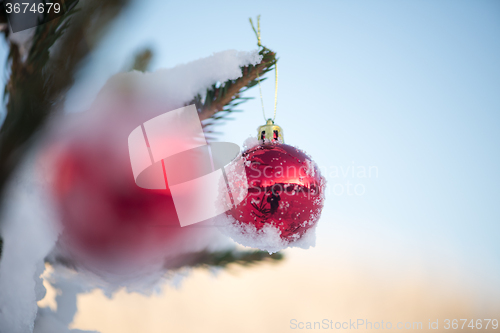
{"x": 26, "y": 7}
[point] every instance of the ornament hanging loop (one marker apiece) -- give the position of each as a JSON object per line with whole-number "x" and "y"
{"x": 259, "y": 43}
{"x": 275, "y": 90}
{"x": 257, "y": 32}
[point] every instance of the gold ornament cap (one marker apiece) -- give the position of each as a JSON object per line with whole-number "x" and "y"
{"x": 270, "y": 132}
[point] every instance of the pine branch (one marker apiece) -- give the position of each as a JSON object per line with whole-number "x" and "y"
{"x": 222, "y": 99}
{"x": 203, "y": 259}
{"x": 222, "y": 259}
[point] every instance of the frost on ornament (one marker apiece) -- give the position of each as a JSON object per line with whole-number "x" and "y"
{"x": 250, "y": 143}
{"x": 284, "y": 199}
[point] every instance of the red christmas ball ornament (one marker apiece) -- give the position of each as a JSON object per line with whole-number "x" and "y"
{"x": 285, "y": 194}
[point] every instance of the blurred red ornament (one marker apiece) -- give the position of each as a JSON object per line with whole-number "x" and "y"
{"x": 286, "y": 189}
{"x": 103, "y": 211}
{"x": 105, "y": 216}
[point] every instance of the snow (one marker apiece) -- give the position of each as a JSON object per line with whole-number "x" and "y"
{"x": 266, "y": 239}
{"x": 180, "y": 84}
{"x": 250, "y": 143}
{"x": 29, "y": 234}
{"x": 68, "y": 285}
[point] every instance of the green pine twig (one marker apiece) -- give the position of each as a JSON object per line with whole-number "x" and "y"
{"x": 222, "y": 99}
{"x": 37, "y": 85}
{"x": 142, "y": 60}
{"x": 223, "y": 259}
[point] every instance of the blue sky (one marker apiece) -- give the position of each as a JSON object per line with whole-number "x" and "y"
{"x": 411, "y": 87}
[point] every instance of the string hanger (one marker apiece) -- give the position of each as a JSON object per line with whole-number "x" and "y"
{"x": 259, "y": 43}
